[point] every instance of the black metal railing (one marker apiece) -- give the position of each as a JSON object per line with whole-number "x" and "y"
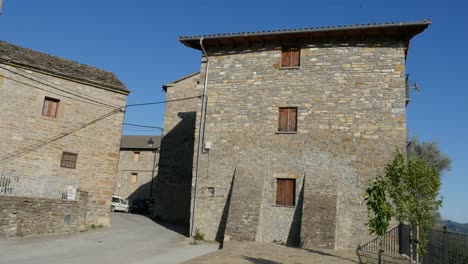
{"x": 446, "y": 247}
{"x": 390, "y": 242}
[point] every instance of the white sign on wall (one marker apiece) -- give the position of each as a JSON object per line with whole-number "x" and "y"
{"x": 71, "y": 194}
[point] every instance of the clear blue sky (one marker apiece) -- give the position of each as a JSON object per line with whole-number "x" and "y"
{"x": 138, "y": 41}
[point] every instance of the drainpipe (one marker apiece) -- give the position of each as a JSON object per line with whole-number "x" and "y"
{"x": 201, "y": 133}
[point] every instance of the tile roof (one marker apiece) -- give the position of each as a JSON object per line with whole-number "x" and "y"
{"x": 14, "y": 54}
{"x": 178, "y": 80}
{"x": 413, "y": 27}
{"x": 139, "y": 142}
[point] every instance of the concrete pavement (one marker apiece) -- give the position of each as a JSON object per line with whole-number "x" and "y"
{"x": 133, "y": 239}
{"x": 235, "y": 252}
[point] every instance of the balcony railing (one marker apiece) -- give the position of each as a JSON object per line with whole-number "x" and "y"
{"x": 42, "y": 187}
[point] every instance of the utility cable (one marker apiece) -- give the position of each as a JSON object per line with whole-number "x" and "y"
{"x": 56, "y": 93}
{"x": 53, "y": 87}
{"x": 135, "y": 125}
{"x": 71, "y": 91}
{"x": 42, "y": 144}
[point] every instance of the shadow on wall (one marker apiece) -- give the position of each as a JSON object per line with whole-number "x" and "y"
{"x": 224, "y": 217}
{"x": 173, "y": 183}
{"x": 294, "y": 236}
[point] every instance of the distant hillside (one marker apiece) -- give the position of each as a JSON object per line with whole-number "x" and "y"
{"x": 455, "y": 227}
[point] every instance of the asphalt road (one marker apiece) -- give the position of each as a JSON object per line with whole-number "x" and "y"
{"x": 132, "y": 239}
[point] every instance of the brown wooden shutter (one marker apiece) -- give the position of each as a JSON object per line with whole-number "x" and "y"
{"x": 285, "y": 192}
{"x": 283, "y": 119}
{"x": 292, "y": 116}
{"x": 289, "y": 192}
{"x": 286, "y": 58}
{"x": 279, "y": 192}
{"x": 294, "y": 53}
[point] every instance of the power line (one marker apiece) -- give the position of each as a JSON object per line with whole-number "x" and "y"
{"x": 42, "y": 144}
{"x": 162, "y": 102}
{"x": 135, "y": 125}
{"x": 53, "y": 87}
{"x": 39, "y": 88}
{"x": 78, "y": 93}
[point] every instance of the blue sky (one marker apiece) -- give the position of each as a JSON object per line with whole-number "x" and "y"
{"x": 138, "y": 40}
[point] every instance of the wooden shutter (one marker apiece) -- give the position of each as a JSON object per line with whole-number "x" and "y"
{"x": 283, "y": 119}
{"x": 294, "y": 53}
{"x": 285, "y": 58}
{"x": 50, "y": 107}
{"x": 285, "y": 192}
{"x": 292, "y": 116}
{"x": 280, "y": 190}
{"x": 290, "y": 57}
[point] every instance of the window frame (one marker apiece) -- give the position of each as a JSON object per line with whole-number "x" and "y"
{"x": 136, "y": 156}
{"x": 65, "y": 163}
{"x": 282, "y": 199}
{"x": 134, "y": 175}
{"x": 47, "y": 107}
{"x": 289, "y": 123}
{"x": 290, "y": 54}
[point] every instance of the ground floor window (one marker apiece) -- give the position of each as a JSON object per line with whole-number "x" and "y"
{"x": 285, "y": 192}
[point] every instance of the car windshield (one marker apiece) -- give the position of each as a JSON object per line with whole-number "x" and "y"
{"x": 115, "y": 200}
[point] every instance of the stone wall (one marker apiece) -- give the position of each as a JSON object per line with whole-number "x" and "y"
{"x": 139, "y": 190}
{"x": 25, "y": 216}
{"x": 38, "y": 142}
{"x": 351, "y": 117}
{"x": 174, "y": 180}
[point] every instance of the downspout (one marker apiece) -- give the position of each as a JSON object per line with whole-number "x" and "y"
{"x": 201, "y": 133}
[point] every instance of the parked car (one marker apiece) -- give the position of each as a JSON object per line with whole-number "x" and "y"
{"x": 118, "y": 204}
{"x": 139, "y": 207}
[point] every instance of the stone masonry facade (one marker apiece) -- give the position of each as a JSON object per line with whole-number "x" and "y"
{"x": 27, "y": 216}
{"x": 133, "y": 182}
{"x": 350, "y": 96}
{"x": 174, "y": 180}
{"x": 31, "y": 144}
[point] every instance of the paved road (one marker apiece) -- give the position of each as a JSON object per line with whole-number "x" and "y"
{"x": 132, "y": 239}
{"x": 270, "y": 253}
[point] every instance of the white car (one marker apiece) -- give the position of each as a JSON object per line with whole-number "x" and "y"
{"x": 118, "y": 204}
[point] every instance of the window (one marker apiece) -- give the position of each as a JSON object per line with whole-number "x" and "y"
{"x": 50, "y": 107}
{"x": 136, "y": 156}
{"x": 290, "y": 57}
{"x": 287, "y": 119}
{"x": 285, "y": 192}
{"x": 69, "y": 160}
{"x": 134, "y": 177}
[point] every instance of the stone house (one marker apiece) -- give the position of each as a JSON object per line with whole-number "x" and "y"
{"x": 61, "y": 120}
{"x": 296, "y": 123}
{"x": 137, "y": 164}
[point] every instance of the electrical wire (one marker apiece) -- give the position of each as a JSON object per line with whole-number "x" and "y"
{"x": 42, "y": 144}
{"x": 49, "y": 81}
{"x": 53, "y": 87}
{"x": 135, "y": 125}
{"x": 56, "y": 93}
{"x": 163, "y": 102}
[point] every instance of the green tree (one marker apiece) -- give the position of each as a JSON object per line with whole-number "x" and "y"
{"x": 379, "y": 210}
{"x": 413, "y": 188}
{"x": 430, "y": 150}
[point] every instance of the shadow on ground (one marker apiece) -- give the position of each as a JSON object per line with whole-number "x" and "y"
{"x": 323, "y": 253}
{"x": 261, "y": 260}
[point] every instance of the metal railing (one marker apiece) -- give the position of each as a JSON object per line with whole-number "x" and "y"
{"x": 446, "y": 247}
{"x": 42, "y": 187}
{"x": 390, "y": 242}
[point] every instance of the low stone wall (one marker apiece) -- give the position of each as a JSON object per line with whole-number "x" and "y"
{"x": 372, "y": 258}
{"x": 26, "y": 216}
